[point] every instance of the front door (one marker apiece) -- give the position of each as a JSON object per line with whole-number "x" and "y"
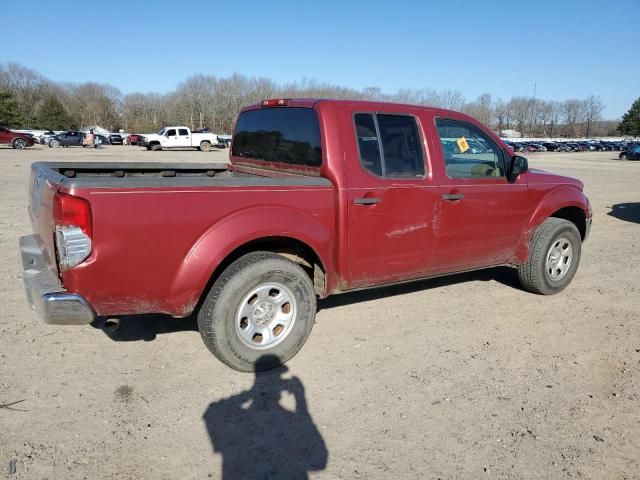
{"x": 482, "y": 213}
{"x": 171, "y": 138}
{"x": 390, "y": 197}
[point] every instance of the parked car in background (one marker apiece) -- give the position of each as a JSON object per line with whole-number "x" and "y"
{"x": 180, "y": 137}
{"x": 67, "y": 139}
{"x": 15, "y": 139}
{"x": 116, "y": 139}
{"x": 632, "y": 154}
{"x": 46, "y": 137}
{"x": 102, "y": 140}
{"x": 135, "y": 139}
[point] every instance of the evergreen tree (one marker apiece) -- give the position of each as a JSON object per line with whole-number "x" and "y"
{"x": 9, "y": 111}
{"x": 630, "y": 124}
{"x": 52, "y": 114}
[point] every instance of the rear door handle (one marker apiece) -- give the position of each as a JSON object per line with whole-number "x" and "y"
{"x": 367, "y": 200}
{"x": 452, "y": 197}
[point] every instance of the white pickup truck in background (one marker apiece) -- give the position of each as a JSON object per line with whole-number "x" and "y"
{"x": 180, "y": 137}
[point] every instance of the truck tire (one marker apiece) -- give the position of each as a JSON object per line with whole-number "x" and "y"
{"x": 205, "y": 146}
{"x": 156, "y": 147}
{"x": 554, "y": 256}
{"x": 263, "y": 306}
{"x": 19, "y": 144}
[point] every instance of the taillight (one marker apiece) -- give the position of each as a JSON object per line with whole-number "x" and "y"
{"x": 275, "y": 102}
{"x": 73, "y": 229}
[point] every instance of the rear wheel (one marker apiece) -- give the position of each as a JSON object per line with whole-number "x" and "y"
{"x": 19, "y": 144}
{"x": 205, "y": 146}
{"x": 554, "y": 256}
{"x": 263, "y": 306}
{"x": 623, "y": 156}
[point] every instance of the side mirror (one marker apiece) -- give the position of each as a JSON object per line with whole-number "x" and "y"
{"x": 518, "y": 165}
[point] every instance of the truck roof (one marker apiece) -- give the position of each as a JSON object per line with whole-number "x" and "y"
{"x": 369, "y": 104}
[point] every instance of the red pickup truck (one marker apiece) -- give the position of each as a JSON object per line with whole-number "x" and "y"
{"x": 320, "y": 197}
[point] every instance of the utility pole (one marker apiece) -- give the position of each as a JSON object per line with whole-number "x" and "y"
{"x": 533, "y": 104}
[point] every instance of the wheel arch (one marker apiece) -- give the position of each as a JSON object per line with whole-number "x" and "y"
{"x": 566, "y": 202}
{"x": 298, "y": 237}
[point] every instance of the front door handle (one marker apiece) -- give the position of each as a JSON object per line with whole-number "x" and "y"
{"x": 367, "y": 200}
{"x": 452, "y": 197}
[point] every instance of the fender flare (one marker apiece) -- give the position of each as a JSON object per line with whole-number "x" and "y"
{"x": 238, "y": 229}
{"x": 560, "y": 197}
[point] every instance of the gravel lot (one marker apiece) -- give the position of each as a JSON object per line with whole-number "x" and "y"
{"x": 463, "y": 377}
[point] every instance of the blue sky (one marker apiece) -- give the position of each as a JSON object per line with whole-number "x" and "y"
{"x": 569, "y": 48}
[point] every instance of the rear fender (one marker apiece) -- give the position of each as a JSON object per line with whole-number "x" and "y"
{"x": 238, "y": 229}
{"x": 560, "y": 197}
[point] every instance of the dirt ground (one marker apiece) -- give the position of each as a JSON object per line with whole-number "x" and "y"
{"x": 463, "y": 377}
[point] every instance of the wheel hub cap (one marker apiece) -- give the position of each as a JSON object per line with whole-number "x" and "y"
{"x": 559, "y": 259}
{"x": 263, "y": 313}
{"x": 265, "y": 316}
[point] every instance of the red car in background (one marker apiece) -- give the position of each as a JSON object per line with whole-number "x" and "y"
{"x": 15, "y": 139}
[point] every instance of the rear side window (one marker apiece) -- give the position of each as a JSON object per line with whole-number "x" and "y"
{"x": 281, "y": 134}
{"x": 389, "y": 145}
{"x": 183, "y": 131}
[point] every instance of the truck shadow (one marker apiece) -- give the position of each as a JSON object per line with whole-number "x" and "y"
{"x": 133, "y": 328}
{"x": 258, "y": 438}
{"x": 629, "y": 212}
{"x": 504, "y": 275}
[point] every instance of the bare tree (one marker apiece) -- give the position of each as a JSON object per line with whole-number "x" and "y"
{"x": 592, "y": 110}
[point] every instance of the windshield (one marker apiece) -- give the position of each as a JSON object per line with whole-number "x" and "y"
{"x": 161, "y": 132}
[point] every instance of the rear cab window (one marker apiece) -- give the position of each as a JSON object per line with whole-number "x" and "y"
{"x": 280, "y": 135}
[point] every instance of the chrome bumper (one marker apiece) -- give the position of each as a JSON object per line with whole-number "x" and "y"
{"x": 45, "y": 293}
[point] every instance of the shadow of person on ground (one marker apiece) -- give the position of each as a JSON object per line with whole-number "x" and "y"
{"x": 260, "y": 439}
{"x": 629, "y": 212}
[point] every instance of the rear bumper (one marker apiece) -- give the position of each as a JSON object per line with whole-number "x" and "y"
{"x": 45, "y": 293}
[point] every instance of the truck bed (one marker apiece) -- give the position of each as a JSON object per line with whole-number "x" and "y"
{"x": 144, "y": 174}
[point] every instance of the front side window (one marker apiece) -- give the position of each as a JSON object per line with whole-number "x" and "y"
{"x": 171, "y": 133}
{"x": 183, "y": 132}
{"x": 389, "y": 145}
{"x": 469, "y": 152}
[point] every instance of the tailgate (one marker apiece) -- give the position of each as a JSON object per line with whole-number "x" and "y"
{"x": 42, "y": 187}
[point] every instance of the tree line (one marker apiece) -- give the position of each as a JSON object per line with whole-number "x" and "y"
{"x": 30, "y": 100}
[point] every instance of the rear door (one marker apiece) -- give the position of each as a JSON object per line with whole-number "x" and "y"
{"x": 184, "y": 137}
{"x": 391, "y": 196}
{"x": 482, "y": 214}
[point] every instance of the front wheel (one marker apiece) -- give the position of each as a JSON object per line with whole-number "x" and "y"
{"x": 156, "y": 147}
{"x": 554, "y": 255}
{"x": 623, "y": 156}
{"x": 19, "y": 144}
{"x": 258, "y": 313}
{"x": 54, "y": 143}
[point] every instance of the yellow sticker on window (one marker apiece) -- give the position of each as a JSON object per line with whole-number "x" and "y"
{"x": 462, "y": 144}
